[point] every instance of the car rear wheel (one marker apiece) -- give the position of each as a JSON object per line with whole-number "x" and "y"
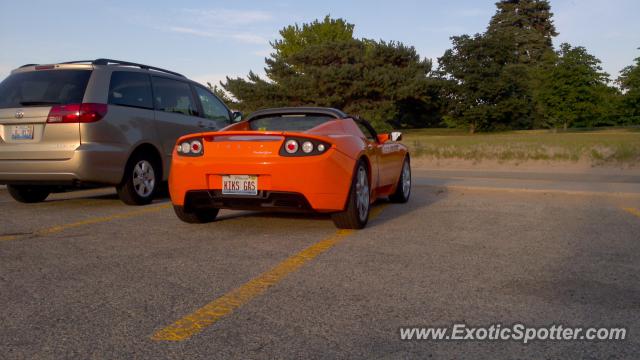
{"x": 28, "y": 194}
{"x": 404, "y": 184}
{"x": 356, "y": 214}
{"x": 196, "y": 216}
{"x": 141, "y": 181}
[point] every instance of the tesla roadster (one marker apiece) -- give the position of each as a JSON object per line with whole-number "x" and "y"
{"x": 291, "y": 160}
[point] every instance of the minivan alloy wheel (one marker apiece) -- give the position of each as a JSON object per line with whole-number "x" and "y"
{"x": 144, "y": 178}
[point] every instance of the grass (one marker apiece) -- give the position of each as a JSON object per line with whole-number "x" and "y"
{"x": 616, "y": 146}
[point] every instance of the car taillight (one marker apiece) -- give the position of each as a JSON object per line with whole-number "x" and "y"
{"x": 307, "y": 147}
{"x": 77, "y": 113}
{"x": 291, "y": 146}
{"x": 192, "y": 147}
{"x": 303, "y": 147}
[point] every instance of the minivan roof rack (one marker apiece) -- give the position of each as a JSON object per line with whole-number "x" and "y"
{"x": 102, "y": 61}
{"x": 127, "y": 63}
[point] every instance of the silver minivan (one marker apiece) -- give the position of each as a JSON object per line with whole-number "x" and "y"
{"x": 102, "y": 122}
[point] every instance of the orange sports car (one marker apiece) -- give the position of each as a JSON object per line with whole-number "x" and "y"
{"x": 292, "y": 160}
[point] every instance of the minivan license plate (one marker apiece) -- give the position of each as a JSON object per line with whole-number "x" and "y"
{"x": 22, "y": 132}
{"x": 239, "y": 185}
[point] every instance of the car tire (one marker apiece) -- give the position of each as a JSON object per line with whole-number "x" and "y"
{"x": 141, "y": 181}
{"x": 356, "y": 213}
{"x": 403, "y": 191}
{"x": 28, "y": 194}
{"x": 196, "y": 216}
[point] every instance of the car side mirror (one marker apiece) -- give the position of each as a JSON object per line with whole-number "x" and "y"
{"x": 383, "y": 138}
{"x": 236, "y": 116}
{"x": 395, "y": 136}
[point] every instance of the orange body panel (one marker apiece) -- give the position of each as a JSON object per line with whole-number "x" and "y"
{"x": 324, "y": 180}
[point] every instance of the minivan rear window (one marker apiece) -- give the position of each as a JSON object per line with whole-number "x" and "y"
{"x": 44, "y": 87}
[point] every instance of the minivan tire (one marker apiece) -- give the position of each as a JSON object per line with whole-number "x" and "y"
{"x": 142, "y": 178}
{"x": 28, "y": 194}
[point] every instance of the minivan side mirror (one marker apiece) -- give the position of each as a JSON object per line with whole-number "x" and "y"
{"x": 236, "y": 116}
{"x": 395, "y": 136}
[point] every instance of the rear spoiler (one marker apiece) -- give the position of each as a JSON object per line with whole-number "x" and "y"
{"x": 211, "y": 136}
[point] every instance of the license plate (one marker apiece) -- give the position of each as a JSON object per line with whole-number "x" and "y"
{"x": 240, "y": 185}
{"x": 22, "y": 132}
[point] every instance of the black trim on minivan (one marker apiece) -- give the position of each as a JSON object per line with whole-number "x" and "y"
{"x": 194, "y": 93}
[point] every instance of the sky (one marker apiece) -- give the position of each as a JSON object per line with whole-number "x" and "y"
{"x": 208, "y": 40}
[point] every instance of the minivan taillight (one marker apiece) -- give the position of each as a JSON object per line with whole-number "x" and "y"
{"x": 77, "y": 113}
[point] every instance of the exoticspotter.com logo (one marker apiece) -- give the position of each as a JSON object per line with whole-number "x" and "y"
{"x": 516, "y": 332}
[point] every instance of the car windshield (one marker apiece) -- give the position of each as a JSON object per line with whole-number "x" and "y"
{"x": 40, "y": 88}
{"x": 301, "y": 122}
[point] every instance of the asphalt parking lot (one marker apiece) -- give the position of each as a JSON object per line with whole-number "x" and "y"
{"x": 84, "y": 276}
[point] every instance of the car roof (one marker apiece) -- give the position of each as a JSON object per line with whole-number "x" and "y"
{"x": 307, "y": 110}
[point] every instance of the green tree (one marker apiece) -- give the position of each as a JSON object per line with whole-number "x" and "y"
{"x": 629, "y": 81}
{"x": 384, "y": 82}
{"x": 296, "y": 38}
{"x": 490, "y": 75}
{"x": 573, "y": 90}
{"x": 530, "y": 25}
{"x": 487, "y": 89}
{"x": 223, "y": 95}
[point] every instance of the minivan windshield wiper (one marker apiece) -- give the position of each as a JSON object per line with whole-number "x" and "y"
{"x": 34, "y": 103}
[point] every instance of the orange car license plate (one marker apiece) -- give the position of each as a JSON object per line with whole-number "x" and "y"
{"x": 239, "y": 185}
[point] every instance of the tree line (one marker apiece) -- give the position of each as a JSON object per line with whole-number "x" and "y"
{"x": 509, "y": 77}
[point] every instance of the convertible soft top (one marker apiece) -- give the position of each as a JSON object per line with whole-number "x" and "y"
{"x": 298, "y": 111}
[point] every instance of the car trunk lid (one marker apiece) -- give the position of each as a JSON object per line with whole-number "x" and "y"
{"x": 244, "y": 145}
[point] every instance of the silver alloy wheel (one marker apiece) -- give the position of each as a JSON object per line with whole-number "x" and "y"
{"x": 362, "y": 194}
{"x": 406, "y": 179}
{"x": 144, "y": 178}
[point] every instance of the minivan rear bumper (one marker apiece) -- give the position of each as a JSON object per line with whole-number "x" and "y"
{"x": 90, "y": 163}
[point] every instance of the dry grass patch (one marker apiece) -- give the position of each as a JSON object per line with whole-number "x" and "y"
{"x": 600, "y": 147}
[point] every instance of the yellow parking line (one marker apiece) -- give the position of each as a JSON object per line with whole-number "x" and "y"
{"x": 633, "y": 211}
{"x": 226, "y": 304}
{"x": 375, "y": 211}
{"x": 89, "y": 221}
